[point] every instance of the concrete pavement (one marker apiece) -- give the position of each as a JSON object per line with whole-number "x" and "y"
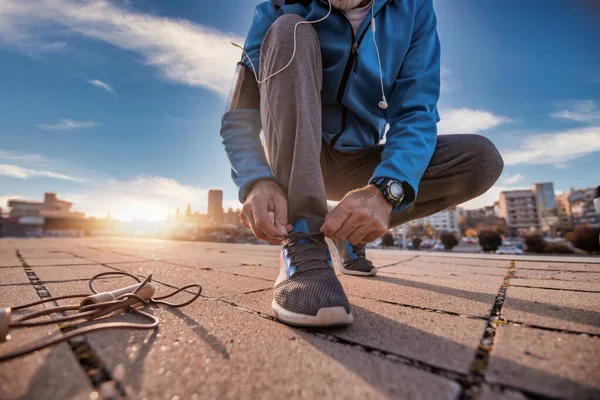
{"x": 428, "y": 326}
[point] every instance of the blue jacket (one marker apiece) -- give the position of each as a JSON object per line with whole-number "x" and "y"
{"x": 410, "y": 56}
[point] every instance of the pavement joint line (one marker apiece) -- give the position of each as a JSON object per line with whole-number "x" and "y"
{"x": 527, "y": 393}
{"x": 489, "y": 266}
{"x": 550, "y": 329}
{"x": 431, "y": 276}
{"x": 428, "y": 309}
{"x": 560, "y": 289}
{"x": 546, "y": 279}
{"x": 97, "y": 373}
{"x": 92, "y": 262}
{"x": 399, "y": 262}
{"x": 472, "y": 387}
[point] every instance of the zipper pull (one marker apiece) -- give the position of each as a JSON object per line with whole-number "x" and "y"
{"x": 355, "y": 55}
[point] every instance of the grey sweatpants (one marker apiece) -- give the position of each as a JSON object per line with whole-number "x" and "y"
{"x": 310, "y": 171}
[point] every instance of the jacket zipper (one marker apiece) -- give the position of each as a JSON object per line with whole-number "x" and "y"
{"x": 351, "y": 64}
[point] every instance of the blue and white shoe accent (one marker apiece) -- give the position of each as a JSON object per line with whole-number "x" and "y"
{"x": 352, "y": 259}
{"x": 307, "y": 291}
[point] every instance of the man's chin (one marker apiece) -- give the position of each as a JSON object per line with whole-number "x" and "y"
{"x": 345, "y": 4}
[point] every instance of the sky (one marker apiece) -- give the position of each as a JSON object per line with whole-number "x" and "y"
{"x": 116, "y": 105}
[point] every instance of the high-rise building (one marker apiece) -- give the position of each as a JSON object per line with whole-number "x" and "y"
{"x": 582, "y": 208}
{"x": 215, "y": 206}
{"x": 518, "y": 208}
{"x": 545, "y": 200}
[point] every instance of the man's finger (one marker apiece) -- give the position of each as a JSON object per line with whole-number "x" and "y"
{"x": 358, "y": 235}
{"x": 334, "y": 221}
{"x": 244, "y": 220}
{"x": 349, "y": 226}
{"x": 281, "y": 214}
{"x": 263, "y": 223}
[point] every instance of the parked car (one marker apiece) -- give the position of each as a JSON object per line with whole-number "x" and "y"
{"x": 509, "y": 250}
{"x": 427, "y": 244}
{"x": 469, "y": 240}
{"x": 439, "y": 246}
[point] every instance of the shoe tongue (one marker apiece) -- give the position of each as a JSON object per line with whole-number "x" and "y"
{"x": 306, "y": 226}
{"x": 308, "y": 252}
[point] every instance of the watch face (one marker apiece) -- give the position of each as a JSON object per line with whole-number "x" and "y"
{"x": 396, "y": 190}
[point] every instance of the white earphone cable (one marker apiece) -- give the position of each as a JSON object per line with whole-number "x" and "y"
{"x": 293, "y": 53}
{"x": 382, "y": 104}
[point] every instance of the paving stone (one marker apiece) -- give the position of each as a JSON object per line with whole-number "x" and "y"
{"x": 574, "y": 266}
{"x": 17, "y": 294}
{"x": 214, "y": 350}
{"x": 214, "y": 284}
{"x": 9, "y": 260}
{"x": 107, "y": 257}
{"x": 444, "y": 341}
{"x": 556, "y": 284}
{"x": 553, "y": 308}
{"x": 13, "y": 275}
{"x": 442, "y": 270}
{"x": 558, "y": 275}
{"x": 545, "y": 362}
{"x": 269, "y": 273}
{"x": 51, "y": 373}
{"x": 469, "y": 297}
{"x": 70, "y": 272}
{"x": 33, "y": 262}
{"x": 491, "y": 393}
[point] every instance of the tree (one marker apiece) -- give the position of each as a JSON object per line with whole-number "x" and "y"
{"x": 471, "y": 233}
{"x": 489, "y": 240}
{"x": 387, "y": 240}
{"x": 429, "y": 230}
{"x": 586, "y": 238}
{"x": 449, "y": 240}
{"x": 535, "y": 243}
{"x": 416, "y": 241}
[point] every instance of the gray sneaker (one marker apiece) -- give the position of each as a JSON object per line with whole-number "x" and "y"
{"x": 353, "y": 259}
{"x": 307, "y": 292}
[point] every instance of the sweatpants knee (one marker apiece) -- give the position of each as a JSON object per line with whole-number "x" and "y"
{"x": 487, "y": 165}
{"x": 282, "y": 31}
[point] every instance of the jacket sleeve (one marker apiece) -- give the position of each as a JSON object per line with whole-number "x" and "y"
{"x": 412, "y": 137}
{"x": 241, "y": 124}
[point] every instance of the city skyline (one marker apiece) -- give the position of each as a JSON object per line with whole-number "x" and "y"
{"x": 117, "y": 106}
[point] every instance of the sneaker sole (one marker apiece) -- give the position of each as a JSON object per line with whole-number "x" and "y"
{"x": 345, "y": 271}
{"x": 328, "y": 316}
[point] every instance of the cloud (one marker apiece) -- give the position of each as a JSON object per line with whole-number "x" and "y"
{"x": 579, "y": 111}
{"x": 512, "y": 179}
{"x": 15, "y": 171}
{"x": 448, "y": 81}
{"x": 21, "y": 157}
{"x": 184, "y": 52}
{"x": 68, "y": 125}
{"x": 468, "y": 120}
{"x": 101, "y": 85}
{"x": 561, "y": 166}
{"x": 555, "y": 148}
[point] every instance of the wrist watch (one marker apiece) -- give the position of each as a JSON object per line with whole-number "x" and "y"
{"x": 392, "y": 190}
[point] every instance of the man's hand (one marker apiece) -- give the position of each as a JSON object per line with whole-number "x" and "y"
{"x": 362, "y": 216}
{"x": 264, "y": 197}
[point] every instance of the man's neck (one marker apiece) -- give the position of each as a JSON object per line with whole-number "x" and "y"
{"x": 363, "y": 3}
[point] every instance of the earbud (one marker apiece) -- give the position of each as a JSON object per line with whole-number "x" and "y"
{"x": 383, "y": 104}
